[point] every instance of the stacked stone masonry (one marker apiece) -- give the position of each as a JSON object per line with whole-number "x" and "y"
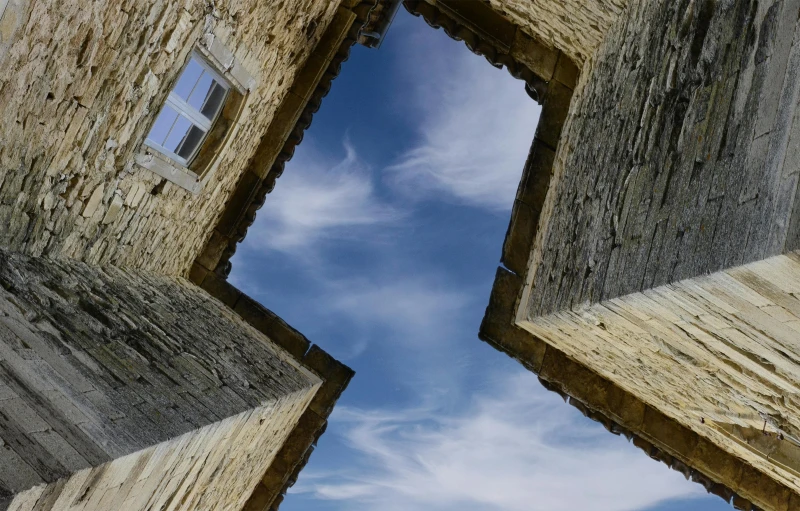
{"x": 277, "y": 145}
{"x": 81, "y": 85}
{"x": 716, "y": 353}
{"x": 702, "y": 172}
{"x": 102, "y": 363}
{"x": 213, "y": 467}
{"x": 700, "y": 176}
{"x": 575, "y": 27}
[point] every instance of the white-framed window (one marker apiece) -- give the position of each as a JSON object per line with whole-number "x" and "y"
{"x": 200, "y": 115}
{"x": 191, "y": 109}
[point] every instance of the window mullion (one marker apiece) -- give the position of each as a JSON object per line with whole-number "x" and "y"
{"x": 188, "y": 111}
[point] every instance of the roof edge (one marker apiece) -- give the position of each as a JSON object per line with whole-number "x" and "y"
{"x": 296, "y": 451}
{"x": 295, "y": 114}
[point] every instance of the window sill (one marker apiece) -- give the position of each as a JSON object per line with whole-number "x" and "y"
{"x": 173, "y": 173}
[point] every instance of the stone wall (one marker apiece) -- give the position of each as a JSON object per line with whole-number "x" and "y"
{"x": 575, "y": 27}
{"x": 686, "y": 447}
{"x": 718, "y": 354}
{"x": 680, "y": 154}
{"x": 101, "y": 363}
{"x": 80, "y": 86}
{"x": 677, "y": 159}
{"x": 203, "y": 469}
{"x": 11, "y": 14}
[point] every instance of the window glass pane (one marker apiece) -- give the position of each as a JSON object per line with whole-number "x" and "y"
{"x": 204, "y": 86}
{"x": 179, "y": 130}
{"x": 190, "y": 143}
{"x": 189, "y": 78}
{"x": 213, "y": 101}
{"x": 163, "y": 124}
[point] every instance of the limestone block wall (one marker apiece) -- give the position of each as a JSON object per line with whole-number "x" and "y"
{"x": 80, "y": 85}
{"x": 680, "y": 154}
{"x": 11, "y": 14}
{"x": 717, "y": 353}
{"x": 575, "y": 27}
{"x": 96, "y": 364}
{"x": 204, "y": 469}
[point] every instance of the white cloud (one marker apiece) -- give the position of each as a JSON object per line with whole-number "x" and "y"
{"x": 514, "y": 449}
{"x": 317, "y": 199}
{"x": 412, "y": 308}
{"x": 476, "y": 125}
{"x": 413, "y": 317}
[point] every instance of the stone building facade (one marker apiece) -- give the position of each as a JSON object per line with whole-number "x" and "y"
{"x": 649, "y": 274}
{"x": 650, "y": 277}
{"x": 124, "y": 383}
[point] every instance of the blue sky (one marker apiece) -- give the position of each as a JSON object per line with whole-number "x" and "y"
{"x": 380, "y": 243}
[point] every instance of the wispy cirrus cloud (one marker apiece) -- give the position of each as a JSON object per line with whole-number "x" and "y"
{"x": 321, "y": 200}
{"x": 475, "y": 126}
{"x": 513, "y": 449}
{"x": 415, "y": 317}
{"x": 412, "y": 308}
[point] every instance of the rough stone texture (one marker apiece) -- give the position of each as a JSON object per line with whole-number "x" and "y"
{"x": 79, "y": 87}
{"x": 701, "y": 171}
{"x": 11, "y": 14}
{"x": 700, "y": 374}
{"x": 213, "y": 467}
{"x": 678, "y": 445}
{"x": 142, "y": 388}
{"x": 277, "y": 146}
{"x": 575, "y": 27}
{"x": 101, "y": 363}
{"x": 717, "y": 353}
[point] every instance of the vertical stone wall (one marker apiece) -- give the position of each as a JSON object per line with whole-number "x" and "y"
{"x": 717, "y": 353}
{"x": 214, "y": 467}
{"x": 12, "y": 13}
{"x": 96, "y": 364}
{"x": 80, "y": 85}
{"x": 575, "y": 27}
{"x": 680, "y": 154}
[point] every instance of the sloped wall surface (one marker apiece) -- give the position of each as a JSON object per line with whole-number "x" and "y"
{"x": 717, "y": 353}
{"x": 213, "y": 467}
{"x": 96, "y": 364}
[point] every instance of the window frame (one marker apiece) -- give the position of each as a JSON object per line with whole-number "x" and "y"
{"x": 189, "y": 112}
{"x": 227, "y": 70}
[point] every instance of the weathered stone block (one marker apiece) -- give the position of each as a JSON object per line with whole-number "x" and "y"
{"x": 273, "y": 141}
{"x": 221, "y": 289}
{"x": 567, "y": 72}
{"x": 238, "y": 203}
{"x": 498, "y": 329}
{"x": 519, "y": 237}
{"x": 336, "y": 377}
{"x": 554, "y": 114}
{"x": 536, "y": 56}
{"x": 337, "y": 29}
{"x": 666, "y": 431}
{"x": 212, "y": 253}
{"x": 763, "y": 490}
{"x": 626, "y": 407}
